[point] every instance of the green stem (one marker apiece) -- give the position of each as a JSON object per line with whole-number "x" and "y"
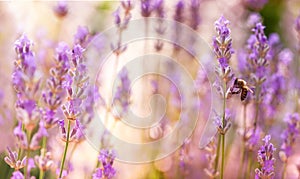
{"x": 249, "y": 165}
{"x": 217, "y": 154}
{"x": 44, "y": 142}
{"x": 27, "y": 153}
{"x": 256, "y": 106}
{"x": 223, "y": 135}
{"x": 241, "y": 171}
{"x": 223, "y": 155}
{"x": 284, "y": 170}
{"x": 66, "y": 149}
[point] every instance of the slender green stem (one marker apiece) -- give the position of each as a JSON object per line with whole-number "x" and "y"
{"x": 223, "y": 155}
{"x": 27, "y": 153}
{"x": 217, "y": 154}
{"x": 256, "y": 106}
{"x": 248, "y": 174}
{"x": 66, "y": 149}
{"x": 223, "y": 126}
{"x": 284, "y": 170}
{"x": 241, "y": 170}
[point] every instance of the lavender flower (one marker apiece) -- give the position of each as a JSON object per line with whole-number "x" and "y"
{"x": 82, "y": 36}
{"x": 17, "y": 175}
{"x": 13, "y": 161}
{"x": 44, "y": 161}
{"x": 178, "y": 16}
{"x": 223, "y": 45}
{"x": 75, "y": 83}
{"x": 106, "y": 158}
{"x": 289, "y": 135}
{"x": 253, "y": 19}
{"x": 211, "y": 159}
{"x": 54, "y": 92}
{"x": 256, "y": 4}
{"x": 25, "y": 84}
{"x": 146, "y": 8}
{"x": 61, "y": 9}
{"x": 195, "y": 17}
{"x": 266, "y": 160}
{"x": 122, "y": 95}
{"x": 160, "y": 29}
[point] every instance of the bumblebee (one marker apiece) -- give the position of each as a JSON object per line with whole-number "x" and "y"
{"x": 240, "y": 86}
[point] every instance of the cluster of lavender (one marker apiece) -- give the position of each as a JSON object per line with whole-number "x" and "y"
{"x": 266, "y": 159}
{"x": 106, "y": 170}
{"x": 30, "y": 130}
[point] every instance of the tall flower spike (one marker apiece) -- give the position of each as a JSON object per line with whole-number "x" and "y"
{"x": 54, "y": 92}
{"x": 266, "y": 160}
{"x": 122, "y": 95}
{"x": 223, "y": 43}
{"x": 195, "y": 16}
{"x": 289, "y": 136}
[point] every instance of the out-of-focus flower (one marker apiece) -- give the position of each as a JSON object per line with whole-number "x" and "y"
{"x": 82, "y": 36}
{"x": 251, "y": 138}
{"x": 17, "y": 175}
{"x": 122, "y": 95}
{"x": 13, "y": 161}
{"x": 106, "y": 170}
{"x": 211, "y": 158}
{"x": 44, "y": 161}
{"x": 256, "y": 4}
{"x": 253, "y": 19}
{"x": 195, "y": 16}
{"x": 146, "y": 8}
{"x": 61, "y": 9}
{"x": 266, "y": 160}
{"x": 178, "y": 16}
{"x": 36, "y": 138}
{"x": 289, "y": 135}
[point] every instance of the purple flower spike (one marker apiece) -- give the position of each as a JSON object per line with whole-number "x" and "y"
{"x": 123, "y": 93}
{"x": 222, "y": 45}
{"x": 106, "y": 157}
{"x": 146, "y": 8}
{"x": 266, "y": 160}
{"x": 178, "y": 16}
{"x": 289, "y": 136}
{"x": 195, "y": 17}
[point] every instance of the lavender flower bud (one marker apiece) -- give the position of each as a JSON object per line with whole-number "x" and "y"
{"x": 12, "y": 160}
{"x": 44, "y": 162}
{"x": 146, "y": 8}
{"x": 17, "y": 175}
{"x": 61, "y": 9}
